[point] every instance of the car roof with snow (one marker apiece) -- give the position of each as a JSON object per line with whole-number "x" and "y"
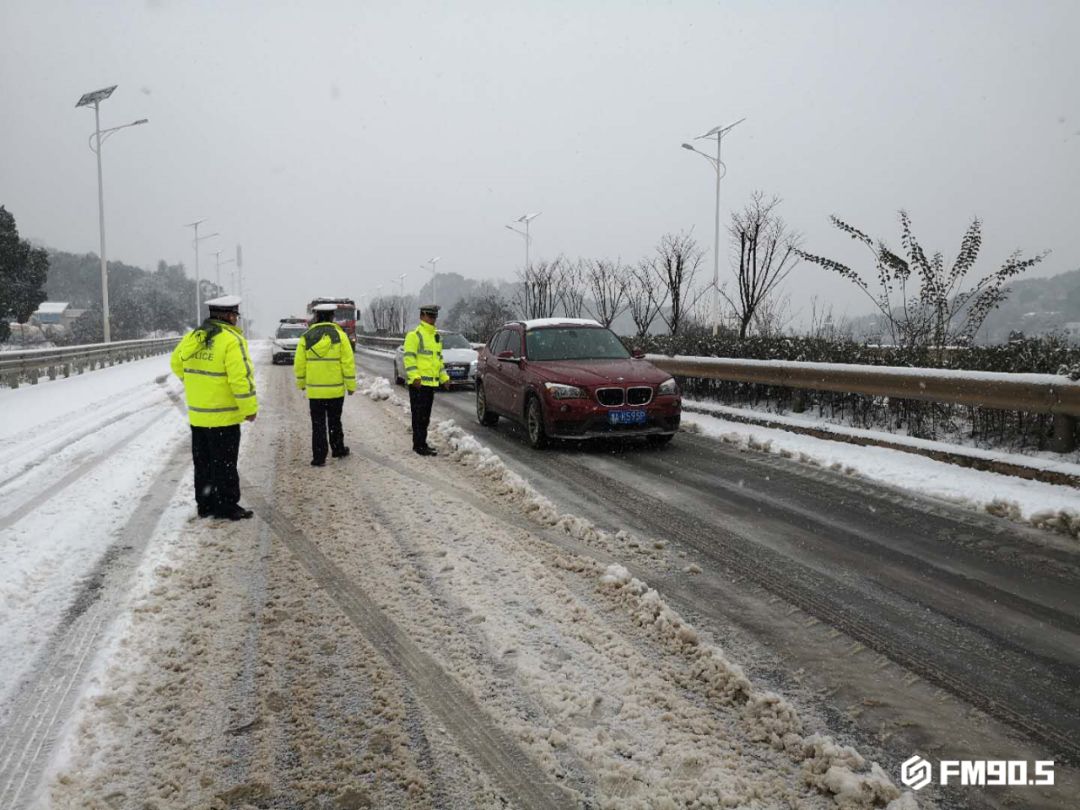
{"x": 537, "y": 323}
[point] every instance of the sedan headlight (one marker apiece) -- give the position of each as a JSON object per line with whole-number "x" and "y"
{"x": 667, "y": 387}
{"x": 560, "y": 391}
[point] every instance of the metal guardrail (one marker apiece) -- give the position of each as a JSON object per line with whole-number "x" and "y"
{"x": 380, "y": 341}
{"x": 1032, "y": 393}
{"x": 391, "y": 341}
{"x": 30, "y": 365}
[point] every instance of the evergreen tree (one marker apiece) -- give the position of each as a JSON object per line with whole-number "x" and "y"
{"x": 23, "y": 270}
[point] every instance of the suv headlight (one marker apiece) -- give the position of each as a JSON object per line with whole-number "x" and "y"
{"x": 667, "y": 387}
{"x": 560, "y": 391}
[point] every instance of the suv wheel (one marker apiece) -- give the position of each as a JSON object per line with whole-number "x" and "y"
{"x": 534, "y": 424}
{"x": 483, "y": 415}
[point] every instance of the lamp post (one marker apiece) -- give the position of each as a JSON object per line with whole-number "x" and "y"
{"x": 198, "y": 281}
{"x": 721, "y": 170}
{"x": 434, "y": 291}
{"x": 217, "y": 266}
{"x": 401, "y": 279}
{"x": 525, "y": 219}
{"x": 100, "y": 135}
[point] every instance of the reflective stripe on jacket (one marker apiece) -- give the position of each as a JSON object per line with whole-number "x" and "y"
{"x": 215, "y": 366}
{"x": 423, "y": 356}
{"x": 325, "y": 368}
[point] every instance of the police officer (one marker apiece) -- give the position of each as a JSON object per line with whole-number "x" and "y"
{"x": 325, "y": 368}
{"x": 215, "y": 366}
{"x": 424, "y": 373}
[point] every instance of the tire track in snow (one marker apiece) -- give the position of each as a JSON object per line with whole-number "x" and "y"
{"x": 524, "y": 784}
{"x": 43, "y": 704}
{"x": 28, "y": 506}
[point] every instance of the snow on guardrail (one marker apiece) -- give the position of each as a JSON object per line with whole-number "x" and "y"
{"x": 30, "y": 365}
{"x": 1031, "y": 393}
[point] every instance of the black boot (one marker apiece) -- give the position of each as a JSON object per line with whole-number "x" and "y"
{"x": 237, "y": 512}
{"x": 344, "y": 451}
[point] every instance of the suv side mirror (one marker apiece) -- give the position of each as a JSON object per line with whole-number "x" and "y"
{"x": 637, "y": 353}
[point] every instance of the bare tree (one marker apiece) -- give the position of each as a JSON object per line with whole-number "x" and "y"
{"x": 608, "y": 286}
{"x": 941, "y": 312}
{"x": 824, "y": 325}
{"x": 675, "y": 264}
{"x": 645, "y": 296}
{"x": 773, "y": 316}
{"x": 540, "y": 288}
{"x": 768, "y": 252}
{"x": 573, "y": 292}
{"x": 386, "y": 313}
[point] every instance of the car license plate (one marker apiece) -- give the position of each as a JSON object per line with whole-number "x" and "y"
{"x": 457, "y": 373}
{"x": 626, "y": 417}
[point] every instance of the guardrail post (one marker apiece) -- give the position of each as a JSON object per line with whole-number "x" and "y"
{"x": 798, "y": 401}
{"x": 1064, "y": 439}
{"x": 51, "y": 372}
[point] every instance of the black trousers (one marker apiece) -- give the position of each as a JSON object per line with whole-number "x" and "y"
{"x": 326, "y": 418}
{"x": 420, "y": 401}
{"x": 217, "y": 484}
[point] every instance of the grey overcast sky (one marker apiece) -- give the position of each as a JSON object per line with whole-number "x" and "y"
{"x": 344, "y": 143}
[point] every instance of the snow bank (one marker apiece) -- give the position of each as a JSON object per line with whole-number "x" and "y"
{"x": 377, "y": 388}
{"x": 1047, "y": 506}
{"x": 766, "y": 716}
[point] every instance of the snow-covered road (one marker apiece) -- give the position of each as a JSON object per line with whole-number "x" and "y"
{"x": 393, "y": 631}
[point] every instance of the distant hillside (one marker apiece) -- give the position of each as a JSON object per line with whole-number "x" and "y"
{"x": 1037, "y": 306}
{"x": 452, "y": 287}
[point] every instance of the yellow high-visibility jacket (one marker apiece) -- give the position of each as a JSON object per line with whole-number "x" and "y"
{"x": 324, "y": 363}
{"x": 215, "y": 366}
{"x": 423, "y": 356}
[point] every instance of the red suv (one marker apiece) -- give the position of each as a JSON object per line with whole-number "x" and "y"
{"x": 567, "y": 378}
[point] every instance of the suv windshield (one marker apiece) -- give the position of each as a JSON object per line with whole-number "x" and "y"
{"x": 574, "y": 343}
{"x": 291, "y": 330}
{"x": 451, "y": 340}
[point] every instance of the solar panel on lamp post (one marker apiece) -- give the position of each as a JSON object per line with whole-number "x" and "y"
{"x": 100, "y": 135}
{"x": 719, "y": 132}
{"x": 525, "y": 219}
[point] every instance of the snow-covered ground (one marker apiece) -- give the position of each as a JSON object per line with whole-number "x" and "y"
{"x": 956, "y": 436}
{"x": 75, "y": 458}
{"x": 1045, "y": 505}
{"x": 234, "y": 668}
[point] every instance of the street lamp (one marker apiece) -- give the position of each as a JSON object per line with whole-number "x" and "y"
{"x": 401, "y": 279}
{"x": 95, "y": 98}
{"x": 525, "y": 219}
{"x": 217, "y": 266}
{"x": 434, "y": 292}
{"x": 721, "y": 170}
{"x": 198, "y": 280}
